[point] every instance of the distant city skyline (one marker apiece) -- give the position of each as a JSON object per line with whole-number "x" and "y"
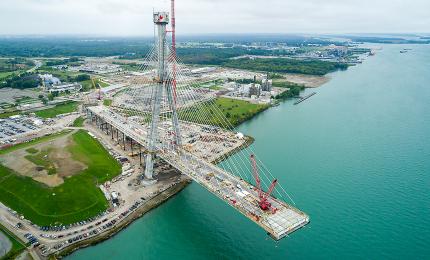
{"x": 133, "y": 17}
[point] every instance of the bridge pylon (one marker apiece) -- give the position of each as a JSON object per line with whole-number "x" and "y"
{"x": 164, "y": 84}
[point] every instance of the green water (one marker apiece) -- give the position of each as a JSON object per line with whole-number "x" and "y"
{"x": 355, "y": 157}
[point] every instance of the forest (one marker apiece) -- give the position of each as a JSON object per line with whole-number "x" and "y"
{"x": 285, "y": 65}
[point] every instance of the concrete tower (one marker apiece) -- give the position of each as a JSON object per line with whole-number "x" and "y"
{"x": 164, "y": 84}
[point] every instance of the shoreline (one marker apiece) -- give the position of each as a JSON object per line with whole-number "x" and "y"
{"x": 154, "y": 202}
{"x": 145, "y": 208}
{"x": 248, "y": 142}
{"x": 163, "y": 196}
{"x": 309, "y": 81}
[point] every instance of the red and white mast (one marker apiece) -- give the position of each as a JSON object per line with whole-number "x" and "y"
{"x": 173, "y": 20}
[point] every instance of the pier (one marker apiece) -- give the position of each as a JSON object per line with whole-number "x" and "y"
{"x": 304, "y": 98}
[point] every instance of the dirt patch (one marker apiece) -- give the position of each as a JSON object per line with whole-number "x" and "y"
{"x": 63, "y": 161}
{"x": 310, "y": 81}
{"x": 17, "y": 162}
{"x": 57, "y": 154}
{"x": 50, "y": 180}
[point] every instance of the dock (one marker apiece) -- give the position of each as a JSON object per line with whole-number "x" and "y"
{"x": 304, "y": 98}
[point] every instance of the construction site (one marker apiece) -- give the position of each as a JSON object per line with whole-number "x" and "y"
{"x": 164, "y": 132}
{"x": 164, "y": 121}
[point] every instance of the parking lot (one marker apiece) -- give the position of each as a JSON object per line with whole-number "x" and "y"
{"x": 16, "y": 125}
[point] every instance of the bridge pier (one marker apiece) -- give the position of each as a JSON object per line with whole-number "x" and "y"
{"x": 131, "y": 146}
{"x": 140, "y": 154}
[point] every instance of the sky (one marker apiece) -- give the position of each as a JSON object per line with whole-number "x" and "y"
{"x": 133, "y": 17}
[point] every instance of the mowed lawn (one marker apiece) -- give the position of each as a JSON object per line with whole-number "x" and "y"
{"x": 107, "y": 102}
{"x": 79, "y": 122}
{"x": 8, "y": 114}
{"x": 221, "y": 111}
{"x": 78, "y": 198}
{"x": 59, "y": 109}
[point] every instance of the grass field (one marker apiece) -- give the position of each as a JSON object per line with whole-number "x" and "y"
{"x": 88, "y": 84}
{"x": 102, "y": 84}
{"x": 235, "y": 111}
{"x": 32, "y": 150}
{"x": 78, "y": 198}
{"x": 107, "y": 102}
{"x": 8, "y": 114}
{"x": 26, "y": 100}
{"x": 5, "y": 75}
{"x": 17, "y": 245}
{"x": 215, "y": 87}
{"x": 64, "y": 108}
{"x": 79, "y": 122}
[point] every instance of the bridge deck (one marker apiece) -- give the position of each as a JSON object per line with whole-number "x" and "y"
{"x": 238, "y": 193}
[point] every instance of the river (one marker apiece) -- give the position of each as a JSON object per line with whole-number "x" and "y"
{"x": 355, "y": 157}
{"x": 5, "y": 245}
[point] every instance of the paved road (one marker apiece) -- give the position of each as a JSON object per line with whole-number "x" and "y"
{"x": 37, "y": 64}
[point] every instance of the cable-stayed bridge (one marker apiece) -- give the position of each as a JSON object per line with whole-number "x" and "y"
{"x": 168, "y": 115}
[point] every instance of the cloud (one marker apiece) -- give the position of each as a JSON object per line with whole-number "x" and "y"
{"x": 133, "y": 17}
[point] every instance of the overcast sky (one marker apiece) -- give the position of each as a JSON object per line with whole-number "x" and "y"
{"x": 133, "y": 17}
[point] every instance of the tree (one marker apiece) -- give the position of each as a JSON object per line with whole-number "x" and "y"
{"x": 82, "y": 77}
{"x": 50, "y": 97}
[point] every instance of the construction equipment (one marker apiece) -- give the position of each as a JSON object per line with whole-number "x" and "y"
{"x": 263, "y": 203}
{"x": 146, "y": 114}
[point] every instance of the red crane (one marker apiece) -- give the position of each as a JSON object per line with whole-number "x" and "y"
{"x": 263, "y": 203}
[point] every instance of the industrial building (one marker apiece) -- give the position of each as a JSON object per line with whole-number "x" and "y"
{"x": 51, "y": 84}
{"x": 71, "y": 87}
{"x": 266, "y": 85}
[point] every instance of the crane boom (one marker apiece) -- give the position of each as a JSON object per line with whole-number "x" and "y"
{"x": 257, "y": 178}
{"x": 263, "y": 203}
{"x": 272, "y": 186}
